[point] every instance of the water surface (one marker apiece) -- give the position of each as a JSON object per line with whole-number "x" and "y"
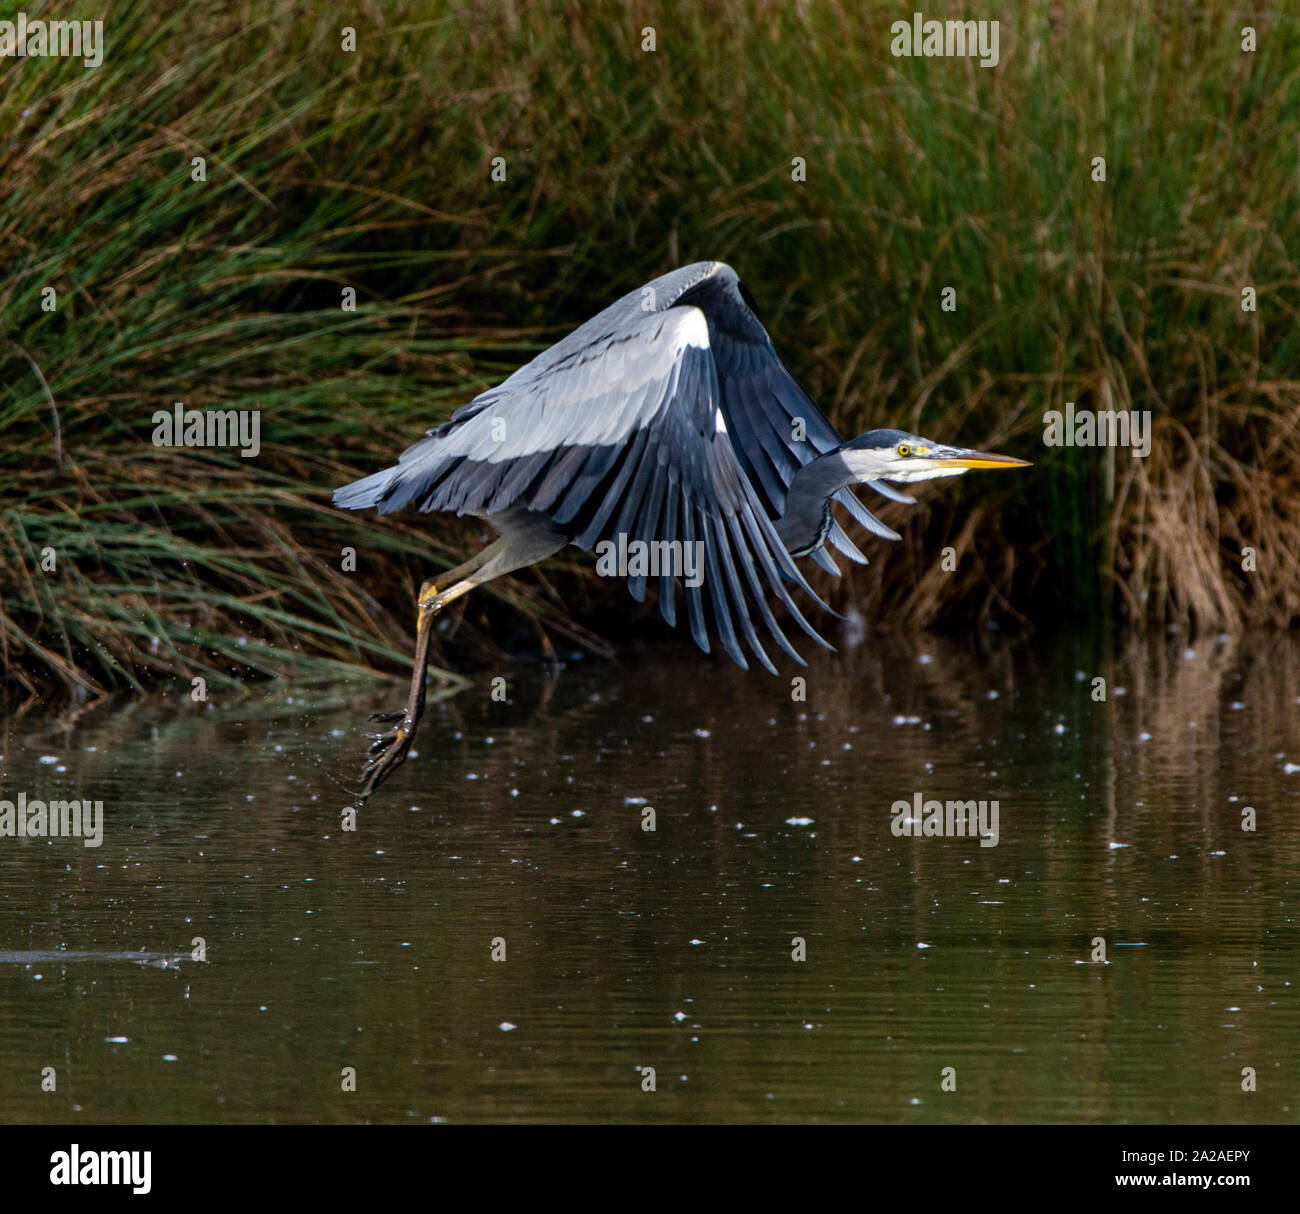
{"x": 521, "y": 823}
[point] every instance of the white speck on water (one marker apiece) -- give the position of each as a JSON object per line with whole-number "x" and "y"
{"x": 798, "y": 821}
{"x": 703, "y": 733}
{"x": 506, "y": 1027}
{"x": 117, "y": 1040}
{"x": 48, "y": 759}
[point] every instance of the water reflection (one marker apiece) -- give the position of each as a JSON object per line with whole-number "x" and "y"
{"x": 522, "y": 822}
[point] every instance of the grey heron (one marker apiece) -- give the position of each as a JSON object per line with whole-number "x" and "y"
{"x": 667, "y": 419}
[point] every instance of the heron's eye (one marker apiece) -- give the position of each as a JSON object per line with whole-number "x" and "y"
{"x": 904, "y": 449}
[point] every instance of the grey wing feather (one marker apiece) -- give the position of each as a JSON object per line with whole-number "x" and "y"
{"x": 762, "y": 402}
{"x": 615, "y": 428}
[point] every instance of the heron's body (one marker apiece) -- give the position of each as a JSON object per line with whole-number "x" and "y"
{"x": 666, "y": 418}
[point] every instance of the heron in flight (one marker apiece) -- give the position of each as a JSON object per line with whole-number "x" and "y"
{"x": 666, "y": 420}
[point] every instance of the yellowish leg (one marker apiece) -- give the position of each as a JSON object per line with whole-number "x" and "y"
{"x": 388, "y": 752}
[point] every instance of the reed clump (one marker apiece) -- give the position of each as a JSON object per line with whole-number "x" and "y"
{"x": 371, "y": 169}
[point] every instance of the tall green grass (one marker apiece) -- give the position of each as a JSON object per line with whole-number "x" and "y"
{"x": 371, "y": 169}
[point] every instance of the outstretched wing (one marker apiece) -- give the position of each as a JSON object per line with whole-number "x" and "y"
{"x": 616, "y": 434}
{"x": 774, "y": 425}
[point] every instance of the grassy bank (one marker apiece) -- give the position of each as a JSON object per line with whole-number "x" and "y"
{"x": 370, "y": 169}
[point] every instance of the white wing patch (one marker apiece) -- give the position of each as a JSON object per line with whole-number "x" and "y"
{"x": 693, "y": 329}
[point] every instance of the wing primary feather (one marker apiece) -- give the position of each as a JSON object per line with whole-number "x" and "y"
{"x": 667, "y": 583}
{"x": 823, "y": 558}
{"x": 692, "y": 594}
{"x": 864, "y": 516}
{"x": 558, "y": 477}
{"x": 717, "y": 595}
{"x": 772, "y": 472}
{"x": 646, "y": 524}
{"x": 839, "y": 537}
{"x": 634, "y": 496}
{"x": 756, "y": 588}
{"x": 741, "y": 607}
{"x": 594, "y": 471}
{"x": 886, "y": 490}
{"x": 766, "y": 546}
{"x": 613, "y": 493}
{"x": 759, "y": 546}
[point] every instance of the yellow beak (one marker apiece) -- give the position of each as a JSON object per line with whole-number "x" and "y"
{"x": 954, "y": 457}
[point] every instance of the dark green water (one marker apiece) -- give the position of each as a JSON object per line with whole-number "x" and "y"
{"x": 672, "y": 949}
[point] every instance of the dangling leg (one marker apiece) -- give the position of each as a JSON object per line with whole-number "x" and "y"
{"x": 526, "y": 538}
{"x": 428, "y": 592}
{"x": 388, "y": 752}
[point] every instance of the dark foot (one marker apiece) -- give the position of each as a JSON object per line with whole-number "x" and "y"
{"x": 387, "y": 754}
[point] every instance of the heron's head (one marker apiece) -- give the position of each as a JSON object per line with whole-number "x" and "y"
{"x": 895, "y": 455}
